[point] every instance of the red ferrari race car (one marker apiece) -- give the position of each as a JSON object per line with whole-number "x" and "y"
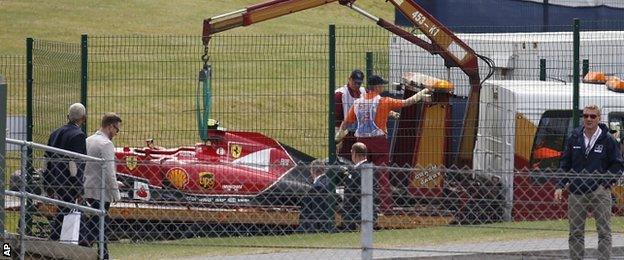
{"x": 241, "y": 168}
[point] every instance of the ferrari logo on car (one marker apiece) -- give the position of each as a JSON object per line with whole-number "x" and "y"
{"x": 236, "y": 150}
{"x": 178, "y": 177}
{"x": 131, "y": 162}
{"x": 206, "y": 180}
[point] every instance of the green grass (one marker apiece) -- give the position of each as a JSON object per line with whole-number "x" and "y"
{"x": 383, "y": 239}
{"x": 66, "y": 20}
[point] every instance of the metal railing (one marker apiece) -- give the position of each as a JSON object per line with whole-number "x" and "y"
{"x": 24, "y": 193}
{"x": 457, "y": 201}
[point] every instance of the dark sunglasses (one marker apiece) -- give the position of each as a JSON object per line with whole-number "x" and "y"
{"x": 357, "y": 83}
{"x": 116, "y": 128}
{"x": 592, "y": 116}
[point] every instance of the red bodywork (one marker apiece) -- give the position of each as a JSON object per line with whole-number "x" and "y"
{"x": 241, "y": 165}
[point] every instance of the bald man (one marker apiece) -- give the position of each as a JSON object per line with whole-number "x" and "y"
{"x": 353, "y": 187}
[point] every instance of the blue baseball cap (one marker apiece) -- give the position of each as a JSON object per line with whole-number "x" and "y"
{"x": 375, "y": 80}
{"x": 357, "y": 76}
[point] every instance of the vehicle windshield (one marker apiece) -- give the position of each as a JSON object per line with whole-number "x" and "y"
{"x": 553, "y": 129}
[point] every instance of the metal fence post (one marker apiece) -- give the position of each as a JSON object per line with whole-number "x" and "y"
{"x": 29, "y": 89}
{"x": 3, "y": 117}
{"x": 102, "y": 216}
{"x": 331, "y": 143}
{"x": 575, "y": 73}
{"x": 29, "y": 121}
{"x": 542, "y": 69}
{"x": 84, "y": 72}
{"x": 369, "y": 64}
{"x": 545, "y": 16}
{"x": 331, "y": 120}
{"x": 367, "y": 216}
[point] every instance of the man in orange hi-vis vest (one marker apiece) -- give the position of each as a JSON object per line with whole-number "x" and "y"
{"x": 371, "y": 114}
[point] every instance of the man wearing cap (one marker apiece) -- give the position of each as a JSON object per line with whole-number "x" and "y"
{"x": 344, "y": 98}
{"x": 371, "y": 113}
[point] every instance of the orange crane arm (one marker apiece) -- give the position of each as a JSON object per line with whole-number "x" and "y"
{"x": 444, "y": 42}
{"x": 256, "y": 13}
{"x": 454, "y": 51}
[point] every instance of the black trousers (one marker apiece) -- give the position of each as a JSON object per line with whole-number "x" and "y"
{"x": 314, "y": 212}
{"x": 92, "y": 227}
{"x": 352, "y": 204}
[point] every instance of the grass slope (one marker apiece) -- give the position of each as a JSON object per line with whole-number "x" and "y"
{"x": 66, "y": 20}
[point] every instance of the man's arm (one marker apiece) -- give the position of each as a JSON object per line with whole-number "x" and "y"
{"x": 342, "y": 131}
{"x": 564, "y": 166}
{"x": 424, "y": 94}
{"x": 338, "y": 109}
{"x": 78, "y": 144}
{"x": 616, "y": 168}
{"x": 108, "y": 169}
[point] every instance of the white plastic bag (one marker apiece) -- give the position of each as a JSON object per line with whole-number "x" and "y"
{"x": 70, "y": 231}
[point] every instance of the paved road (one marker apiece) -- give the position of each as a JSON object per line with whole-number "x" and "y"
{"x": 518, "y": 249}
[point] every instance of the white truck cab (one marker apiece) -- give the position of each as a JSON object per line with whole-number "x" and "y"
{"x": 523, "y": 126}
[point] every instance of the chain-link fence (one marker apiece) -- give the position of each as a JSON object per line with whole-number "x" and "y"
{"x": 53, "y": 208}
{"x": 257, "y": 188}
{"x": 192, "y": 207}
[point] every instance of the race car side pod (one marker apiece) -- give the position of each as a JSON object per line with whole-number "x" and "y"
{"x": 203, "y": 112}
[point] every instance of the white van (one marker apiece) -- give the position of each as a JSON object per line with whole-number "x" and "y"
{"x": 523, "y": 126}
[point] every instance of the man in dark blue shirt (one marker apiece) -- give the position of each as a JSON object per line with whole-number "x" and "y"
{"x": 315, "y": 204}
{"x": 63, "y": 176}
{"x": 593, "y": 162}
{"x": 353, "y": 187}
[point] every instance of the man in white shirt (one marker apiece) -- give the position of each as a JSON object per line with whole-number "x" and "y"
{"x": 100, "y": 145}
{"x": 344, "y": 98}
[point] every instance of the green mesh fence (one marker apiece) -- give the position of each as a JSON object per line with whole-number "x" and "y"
{"x": 150, "y": 82}
{"x": 276, "y": 85}
{"x": 13, "y": 69}
{"x": 352, "y": 44}
{"x": 56, "y": 85}
{"x": 605, "y": 51}
{"x": 270, "y": 84}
